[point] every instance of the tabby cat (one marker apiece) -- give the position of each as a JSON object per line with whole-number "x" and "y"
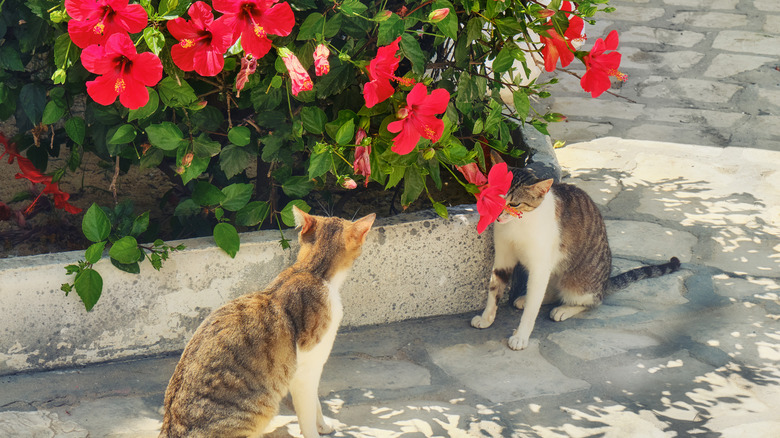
{"x": 561, "y": 241}
{"x": 247, "y": 355}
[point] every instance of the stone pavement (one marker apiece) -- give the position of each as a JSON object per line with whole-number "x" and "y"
{"x": 701, "y": 72}
{"x": 695, "y": 353}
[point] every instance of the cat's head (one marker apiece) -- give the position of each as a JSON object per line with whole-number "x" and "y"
{"x": 336, "y": 239}
{"x": 525, "y": 194}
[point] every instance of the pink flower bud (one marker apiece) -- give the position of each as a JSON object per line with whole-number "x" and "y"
{"x": 301, "y": 81}
{"x": 360, "y": 136}
{"x": 546, "y": 13}
{"x": 186, "y": 160}
{"x": 439, "y": 14}
{"x": 402, "y": 113}
{"x": 382, "y": 16}
{"x": 348, "y": 183}
{"x": 321, "y": 64}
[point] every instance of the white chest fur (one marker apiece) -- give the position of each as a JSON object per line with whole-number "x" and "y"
{"x": 534, "y": 238}
{"x": 317, "y": 356}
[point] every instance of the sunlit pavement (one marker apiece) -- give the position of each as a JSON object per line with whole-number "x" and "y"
{"x": 695, "y": 353}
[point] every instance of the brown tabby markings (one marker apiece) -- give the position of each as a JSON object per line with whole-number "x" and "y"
{"x": 240, "y": 362}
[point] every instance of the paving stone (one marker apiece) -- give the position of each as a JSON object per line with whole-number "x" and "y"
{"x": 712, "y": 20}
{"x": 771, "y": 95}
{"x": 695, "y": 117}
{"x": 590, "y": 344}
{"x": 650, "y": 293}
{"x": 766, "y": 5}
{"x": 607, "y": 311}
{"x": 597, "y": 108}
{"x": 130, "y": 417}
{"x": 513, "y": 375}
{"x": 725, "y": 65}
{"x": 677, "y": 61}
{"x": 749, "y": 287}
{"x": 647, "y": 378}
{"x": 635, "y": 13}
{"x": 371, "y": 373}
{"x": 574, "y": 131}
{"x": 757, "y": 429}
{"x": 771, "y": 24}
{"x": 656, "y": 36}
{"x": 596, "y": 189}
{"x": 705, "y": 4}
{"x": 748, "y": 42}
{"x": 694, "y": 89}
{"x": 38, "y": 424}
{"x": 649, "y": 241}
{"x": 670, "y": 133}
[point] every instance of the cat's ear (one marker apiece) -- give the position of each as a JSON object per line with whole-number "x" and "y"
{"x": 542, "y": 187}
{"x": 362, "y": 225}
{"x": 495, "y": 157}
{"x": 303, "y": 220}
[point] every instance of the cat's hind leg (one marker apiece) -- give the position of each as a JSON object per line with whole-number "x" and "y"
{"x": 574, "y": 304}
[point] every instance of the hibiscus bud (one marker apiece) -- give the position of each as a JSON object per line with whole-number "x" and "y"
{"x": 382, "y": 16}
{"x": 348, "y": 183}
{"x": 186, "y": 160}
{"x": 362, "y": 164}
{"x": 145, "y": 147}
{"x": 180, "y": 170}
{"x": 301, "y": 81}
{"x": 402, "y": 113}
{"x": 546, "y": 13}
{"x": 439, "y": 14}
{"x": 321, "y": 64}
{"x": 59, "y": 76}
{"x": 248, "y": 66}
{"x": 343, "y": 56}
{"x": 428, "y": 154}
{"x": 360, "y": 136}
{"x": 58, "y": 16}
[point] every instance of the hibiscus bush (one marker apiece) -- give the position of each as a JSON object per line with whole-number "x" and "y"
{"x": 251, "y": 105}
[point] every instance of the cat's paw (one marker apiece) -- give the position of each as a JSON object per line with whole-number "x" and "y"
{"x": 562, "y": 313}
{"x": 520, "y": 302}
{"x": 518, "y": 342}
{"x": 324, "y": 428}
{"x": 480, "y": 322}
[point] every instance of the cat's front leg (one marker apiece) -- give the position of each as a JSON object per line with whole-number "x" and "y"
{"x": 307, "y": 404}
{"x": 537, "y": 286}
{"x": 498, "y": 280}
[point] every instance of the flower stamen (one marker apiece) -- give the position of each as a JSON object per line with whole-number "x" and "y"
{"x": 617, "y": 75}
{"x": 514, "y": 212}
{"x": 187, "y": 43}
{"x": 119, "y": 85}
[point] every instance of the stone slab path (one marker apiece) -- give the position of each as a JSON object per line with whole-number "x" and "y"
{"x": 703, "y": 72}
{"x": 695, "y": 353}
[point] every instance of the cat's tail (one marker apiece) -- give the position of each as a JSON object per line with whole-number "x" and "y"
{"x": 622, "y": 280}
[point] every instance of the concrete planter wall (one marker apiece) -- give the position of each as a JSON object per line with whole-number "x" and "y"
{"x": 412, "y": 266}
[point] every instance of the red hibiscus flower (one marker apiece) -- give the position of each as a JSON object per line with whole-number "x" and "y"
{"x": 560, "y": 47}
{"x": 490, "y": 199}
{"x": 321, "y": 64}
{"x": 380, "y": 71}
{"x": 417, "y": 118}
{"x": 301, "y": 81}
{"x": 253, "y": 20}
{"x": 123, "y": 72}
{"x": 202, "y": 41}
{"x": 600, "y": 66}
{"x": 473, "y": 174}
{"x": 96, "y": 20}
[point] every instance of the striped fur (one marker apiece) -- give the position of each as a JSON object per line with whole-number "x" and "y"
{"x": 247, "y": 355}
{"x": 561, "y": 241}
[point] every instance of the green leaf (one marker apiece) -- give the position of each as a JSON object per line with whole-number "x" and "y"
{"x": 186, "y": 208}
{"x": 175, "y": 95}
{"x": 94, "y": 252}
{"x": 522, "y": 104}
{"x": 346, "y": 133}
{"x": 504, "y": 60}
{"x": 351, "y": 8}
{"x": 89, "y": 286}
{"x": 236, "y": 196}
{"x": 155, "y": 40}
{"x": 240, "y": 135}
{"x": 146, "y": 110}
{"x": 166, "y": 135}
{"x": 123, "y": 134}
{"x": 203, "y": 146}
{"x": 287, "y": 214}
{"x": 9, "y": 59}
{"x": 140, "y": 224}
{"x": 52, "y": 113}
{"x": 313, "y": 119}
{"x": 479, "y": 125}
{"x": 412, "y": 51}
{"x": 206, "y": 194}
{"x": 233, "y": 160}
{"x": 297, "y": 186}
{"x": 33, "y": 100}
{"x": 131, "y": 268}
{"x": 340, "y": 77}
{"x": 311, "y": 26}
{"x": 196, "y": 168}
{"x": 125, "y": 250}
{"x": 252, "y": 213}
{"x": 389, "y": 30}
{"x": 95, "y": 224}
{"x": 319, "y": 164}
{"x": 226, "y": 237}
{"x": 414, "y": 184}
{"x": 76, "y": 129}
{"x": 441, "y": 210}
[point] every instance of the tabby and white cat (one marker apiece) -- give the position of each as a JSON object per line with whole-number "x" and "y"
{"x": 247, "y": 355}
{"x": 561, "y": 241}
